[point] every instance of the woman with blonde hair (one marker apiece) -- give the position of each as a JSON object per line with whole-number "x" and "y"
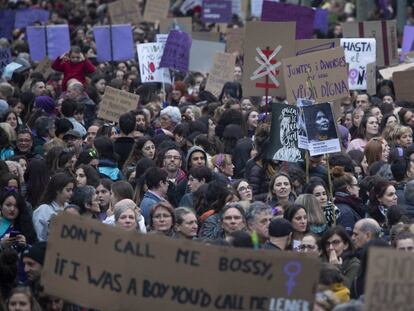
{"x": 21, "y": 298}
{"x": 222, "y": 163}
{"x": 403, "y": 136}
{"x": 316, "y": 218}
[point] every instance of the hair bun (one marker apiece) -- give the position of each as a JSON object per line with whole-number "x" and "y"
{"x": 337, "y": 171}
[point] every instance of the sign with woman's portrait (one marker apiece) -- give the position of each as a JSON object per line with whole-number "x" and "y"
{"x": 320, "y": 129}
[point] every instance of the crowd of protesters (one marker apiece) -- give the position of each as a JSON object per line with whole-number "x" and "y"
{"x": 187, "y": 165}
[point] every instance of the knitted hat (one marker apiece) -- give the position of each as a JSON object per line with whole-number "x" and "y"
{"x": 37, "y": 252}
{"x": 280, "y": 227}
{"x": 45, "y": 103}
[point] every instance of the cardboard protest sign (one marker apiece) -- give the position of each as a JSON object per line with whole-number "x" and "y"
{"x": 387, "y": 73}
{"x": 284, "y": 134}
{"x": 176, "y": 23}
{"x": 221, "y": 72}
{"x": 385, "y": 34}
{"x": 5, "y": 59}
{"x": 202, "y": 54}
{"x": 125, "y": 11}
{"x": 284, "y": 12}
{"x": 7, "y": 18}
{"x": 320, "y": 22}
{"x": 177, "y": 51}
{"x": 389, "y": 280}
{"x": 408, "y": 41}
{"x": 320, "y": 129}
{"x": 157, "y": 273}
{"x": 216, "y": 11}
{"x": 263, "y": 51}
{"x": 371, "y": 77}
{"x": 206, "y": 36}
{"x": 358, "y": 53}
{"x": 44, "y": 67}
{"x": 235, "y": 40}
{"x": 403, "y": 85}
{"x": 149, "y": 57}
{"x": 315, "y": 45}
{"x": 114, "y": 42}
{"x": 116, "y": 102}
{"x": 28, "y": 17}
{"x": 51, "y": 41}
{"x": 156, "y": 10}
{"x": 321, "y": 76}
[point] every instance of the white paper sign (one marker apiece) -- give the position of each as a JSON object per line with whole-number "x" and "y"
{"x": 161, "y": 38}
{"x": 359, "y": 52}
{"x": 149, "y": 57}
{"x": 202, "y": 54}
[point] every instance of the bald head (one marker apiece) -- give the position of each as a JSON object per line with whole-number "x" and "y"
{"x": 364, "y": 231}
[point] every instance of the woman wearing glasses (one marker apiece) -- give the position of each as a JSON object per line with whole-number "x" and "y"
{"x": 162, "y": 219}
{"x": 337, "y": 249}
{"x": 244, "y": 190}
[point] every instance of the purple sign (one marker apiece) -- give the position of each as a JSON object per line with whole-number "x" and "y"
{"x": 28, "y": 17}
{"x": 6, "y": 24}
{"x": 408, "y": 41}
{"x": 282, "y": 12}
{"x": 216, "y": 11}
{"x": 321, "y": 20}
{"x": 177, "y": 51}
{"x": 122, "y": 42}
{"x": 52, "y": 41}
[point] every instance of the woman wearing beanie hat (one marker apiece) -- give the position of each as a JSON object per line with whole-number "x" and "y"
{"x": 46, "y": 104}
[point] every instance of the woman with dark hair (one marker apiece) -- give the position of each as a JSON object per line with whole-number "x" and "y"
{"x": 243, "y": 189}
{"x": 324, "y": 128}
{"x": 162, "y": 219}
{"x": 96, "y": 88}
{"x": 231, "y": 90}
{"x": 103, "y": 191}
{"x": 86, "y": 175}
{"x": 108, "y": 130}
{"x": 298, "y": 217}
{"x": 15, "y": 221}
{"x": 144, "y": 147}
{"x": 280, "y": 190}
{"x": 347, "y": 199}
{"x": 12, "y": 119}
{"x": 21, "y": 298}
{"x": 337, "y": 249}
{"x": 406, "y": 117}
{"x": 382, "y": 197}
{"x": 56, "y": 195}
{"x": 36, "y": 176}
{"x": 318, "y": 188}
{"x": 108, "y": 159}
{"x": 252, "y": 119}
{"x": 367, "y": 129}
{"x": 389, "y": 121}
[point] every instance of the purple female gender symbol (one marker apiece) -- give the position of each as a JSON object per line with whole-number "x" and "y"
{"x": 292, "y": 270}
{"x": 353, "y": 74}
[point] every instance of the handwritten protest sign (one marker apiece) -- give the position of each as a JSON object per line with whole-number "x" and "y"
{"x": 51, "y": 41}
{"x": 306, "y": 46}
{"x": 320, "y": 129}
{"x": 385, "y": 34}
{"x": 284, "y": 134}
{"x": 44, "y": 67}
{"x": 149, "y": 57}
{"x": 358, "y": 53}
{"x": 327, "y": 71}
{"x": 5, "y": 59}
{"x": 389, "y": 280}
{"x": 403, "y": 85}
{"x": 156, "y": 273}
{"x": 156, "y": 10}
{"x": 116, "y": 102}
{"x": 235, "y": 40}
{"x": 221, "y": 72}
{"x": 114, "y": 42}
{"x": 216, "y": 11}
{"x": 176, "y": 23}
{"x": 202, "y": 54}
{"x": 284, "y": 12}
{"x": 28, "y": 17}
{"x": 177, "y": 51}
{"x": 124, "y": 12}
{"x": 263, "y": 51}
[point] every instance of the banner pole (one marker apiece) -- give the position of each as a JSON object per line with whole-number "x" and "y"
{"x": 46, "y": 41}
